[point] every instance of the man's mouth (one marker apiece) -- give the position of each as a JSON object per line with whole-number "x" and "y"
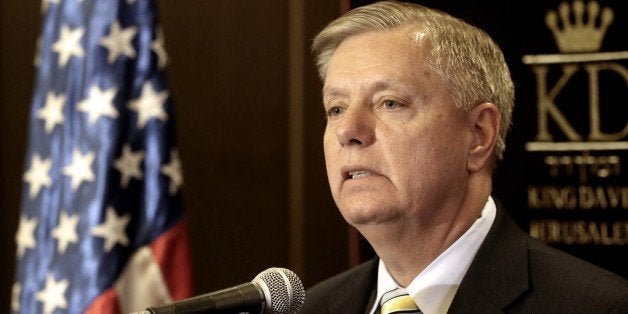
{"x": 359, "y": 174}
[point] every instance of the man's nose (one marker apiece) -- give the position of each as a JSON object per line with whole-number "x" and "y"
{"x": 356, "y": 128}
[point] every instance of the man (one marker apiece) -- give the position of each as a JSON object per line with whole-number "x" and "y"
{"x": 418, "y": 106}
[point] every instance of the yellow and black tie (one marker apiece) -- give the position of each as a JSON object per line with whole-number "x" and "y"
{"x": 398, "y": 301}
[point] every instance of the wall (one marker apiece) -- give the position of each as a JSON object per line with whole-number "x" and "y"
{"x": 19, "y": 22}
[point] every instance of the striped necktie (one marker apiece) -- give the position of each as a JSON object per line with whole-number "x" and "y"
{"x": 398, "y": 301}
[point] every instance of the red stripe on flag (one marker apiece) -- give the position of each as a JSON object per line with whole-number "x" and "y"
{"x": 105, "y": 303}
{"x": 172, "y": 253}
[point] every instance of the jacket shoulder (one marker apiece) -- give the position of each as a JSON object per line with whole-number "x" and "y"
{"x": 352, "y": 287}
{"x": 570, "y": 281}
{"x": 515, "y": 273}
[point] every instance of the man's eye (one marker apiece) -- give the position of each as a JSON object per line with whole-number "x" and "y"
{"x": 390, "y": 104}
{"x": 335, "y": 111}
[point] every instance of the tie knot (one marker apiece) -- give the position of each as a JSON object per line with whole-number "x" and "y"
{"x": 398, "y": 301}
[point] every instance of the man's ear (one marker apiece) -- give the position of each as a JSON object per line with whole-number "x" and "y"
{"x": 484, "y": 121}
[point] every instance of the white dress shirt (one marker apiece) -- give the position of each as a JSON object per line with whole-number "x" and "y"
{"x": 434, "y": 288}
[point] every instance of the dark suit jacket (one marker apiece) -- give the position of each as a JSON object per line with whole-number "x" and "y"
{"x": 511, "y": 273}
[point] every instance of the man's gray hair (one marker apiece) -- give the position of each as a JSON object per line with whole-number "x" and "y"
{"x": 467, "y": 60}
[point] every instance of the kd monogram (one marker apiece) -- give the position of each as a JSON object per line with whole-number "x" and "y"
{"x": 578, "y": 41}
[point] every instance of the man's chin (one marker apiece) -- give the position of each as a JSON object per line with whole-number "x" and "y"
{"x": 364, "y": 217}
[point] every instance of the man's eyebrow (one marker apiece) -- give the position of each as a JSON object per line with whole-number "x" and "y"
{"x": 332, "y": 91}
{"x": 384, "y": 84}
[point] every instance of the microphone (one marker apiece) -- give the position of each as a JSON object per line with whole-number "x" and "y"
{"x": 273, "y": 291}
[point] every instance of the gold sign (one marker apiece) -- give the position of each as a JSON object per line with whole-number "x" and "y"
{"x": 581, "y": 157}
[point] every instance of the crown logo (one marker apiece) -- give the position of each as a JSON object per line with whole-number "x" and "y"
{"x": 579, "y": 35}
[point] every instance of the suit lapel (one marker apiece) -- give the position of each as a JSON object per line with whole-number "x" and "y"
{"x": 353, "y": 295}
{"x": 499, "y": 272}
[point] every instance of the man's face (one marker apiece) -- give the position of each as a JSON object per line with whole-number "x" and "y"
{"x": 395, "y": 144}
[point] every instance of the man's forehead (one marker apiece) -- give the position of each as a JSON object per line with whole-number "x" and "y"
{"x": 386, "y": 57}
{"x": 375, "y": 85}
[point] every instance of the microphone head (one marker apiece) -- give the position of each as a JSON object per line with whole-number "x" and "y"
{"x": 283, "y": 290}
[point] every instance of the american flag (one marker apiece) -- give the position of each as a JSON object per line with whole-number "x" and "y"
{"x": 101, "y": 227}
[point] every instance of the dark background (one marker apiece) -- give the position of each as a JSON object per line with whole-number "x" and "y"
{"x": 249, "y": 123}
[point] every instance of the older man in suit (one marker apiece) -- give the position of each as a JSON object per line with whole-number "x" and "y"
{"x": 418, "y": 106}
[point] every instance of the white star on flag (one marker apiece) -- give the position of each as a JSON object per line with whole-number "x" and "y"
{"x": 25, "y": 236}
{"x": 69, "y": 44}
{"x": 53, "y": 294}
{"x": 112, "y": 229}
{"x": 149, "y": 105}
{"x": 65, "y": 231}
{"x": 129, "y": 165}
{"x": 37, "y": 175}
{"x": 99, "y": 103}
{"x": 158, "y": 47}
{"x": 15, "y": 296}
{"x": 80, "y": 169}
{"x": 174, "y": 172}
{"x": 119, "y": 41}
{"x": 52, "y": 111}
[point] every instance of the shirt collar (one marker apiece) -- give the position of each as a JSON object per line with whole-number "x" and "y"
{"x": 434, "y": 288}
